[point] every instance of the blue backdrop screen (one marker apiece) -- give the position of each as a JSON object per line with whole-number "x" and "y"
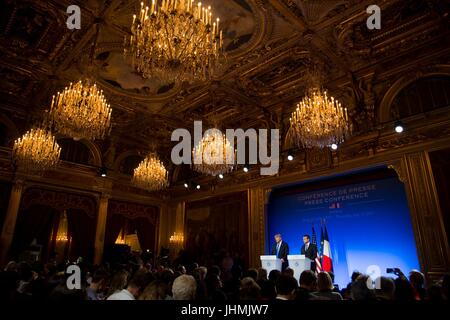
{"x": 368, "y": 224}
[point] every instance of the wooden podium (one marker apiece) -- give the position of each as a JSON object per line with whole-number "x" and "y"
{"x": 270, "y": 263}
{"x": 299, "y": 263}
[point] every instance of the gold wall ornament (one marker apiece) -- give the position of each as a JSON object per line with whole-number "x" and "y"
{"x": 36, "y": 151}
{"x": 151, "y": 174}
{"x": 174, "y": 40}
{"x": 81, "y": 112}
{"x": 398, "y": 168}
{"x": 213, "y": 155}
{"x": 319, "y": 121}
{"x": 315, "y": 10}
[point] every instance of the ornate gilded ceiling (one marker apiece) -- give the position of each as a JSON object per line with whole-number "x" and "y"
{"x": 269, "y": 46}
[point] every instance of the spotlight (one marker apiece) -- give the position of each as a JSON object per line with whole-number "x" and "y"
{"x": 186, "y": 185}
{"x": 246, "y": 169}
{"x": 399, "y": 127}
{"x": 290, "y": 157}
{"x": 103, "y": 172}
{"x": 220, "y": 176}
{"x": 198, "y": 187}
{"x": 334, "y": 146}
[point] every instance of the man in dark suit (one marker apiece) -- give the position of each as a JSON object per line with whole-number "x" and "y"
{"x": 310, "y": 251}
{"x": 281, "y": 250}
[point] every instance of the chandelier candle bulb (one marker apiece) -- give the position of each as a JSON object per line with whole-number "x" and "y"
{"x": 81, "y": 112}
{"x": 174, "y": 42}
{"x": 319, "y": 121}
{"x": 36, "y": 150}
{"x": 151, "y": 174}
{"x": 212, "y": 154}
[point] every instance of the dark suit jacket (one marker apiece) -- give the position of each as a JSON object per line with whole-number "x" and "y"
{"x": 311, "y": 253}
{"x": 282, "y": 254}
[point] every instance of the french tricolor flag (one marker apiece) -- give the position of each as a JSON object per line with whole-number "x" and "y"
{"x": 327, "y": 260}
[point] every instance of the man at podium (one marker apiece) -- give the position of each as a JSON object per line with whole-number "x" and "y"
{"x": 281, "y": 250}
{"x": 310, "y": 251}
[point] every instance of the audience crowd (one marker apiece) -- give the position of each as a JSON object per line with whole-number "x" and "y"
{"x": 142, "y": 281}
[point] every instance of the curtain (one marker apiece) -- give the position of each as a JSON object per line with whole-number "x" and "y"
{"x": 146, "y": 233}
{"x": 82, "y": 230}
{"x": 34, "y": 223}
{"x": 114, "y": 223}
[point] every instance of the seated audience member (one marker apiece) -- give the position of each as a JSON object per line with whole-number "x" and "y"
{"x": 346, "y": 292}
{"x": 336, "y": 287}
{"x": 274, "y": 275}
{"x": 200, "y": 274}
{"x": 262, "y": 276}
{"x": 249, "y": 290}
{"x": 308, "y": 285}
{"x": 156, "y": 290}
{"x": 325, "y": 288}
{"x": 268, "y": 290}
{"x": 232, "y": 286}
{"x": 132, "y": 292}
{"x": 286, "y": 286}
{"x": 98, "y": 281}
{"x": 252, "y": 273}
{"x": 214, "y": 288}
{"x": 23, "y": 289}
{"x": 181, "y": 269}
{"x": 215, "y": 270}
{"x": 386, "y": 288}
{"x": 168, "y": 276}
{"x": 417, "y": 280}
{"x": 184, "y": 288}
{"x": 288, "y": 271}
{"x": 360, "y": 289}
{"x": 403, "y": 289}
{"x": 118, "y": 282}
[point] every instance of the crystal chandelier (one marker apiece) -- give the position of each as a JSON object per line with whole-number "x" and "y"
{"x": 151, "y": 174}
{"x": 37, "y": 150}
{"x": 319, "y": 121}
{"x": 81, "y": 112}
{"x": 176, "y": 238}
{"x": 174, "y": 40}
{"x": 213, "y": 154}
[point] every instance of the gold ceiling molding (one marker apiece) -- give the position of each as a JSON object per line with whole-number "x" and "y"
{"x": 123, "y": 155}
{"x": 263, "y": 26}
{"x": 315, "y": 10}
{"x": 117, "y": 47}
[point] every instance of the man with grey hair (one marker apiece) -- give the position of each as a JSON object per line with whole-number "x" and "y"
{"x": 184, "y": 288}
